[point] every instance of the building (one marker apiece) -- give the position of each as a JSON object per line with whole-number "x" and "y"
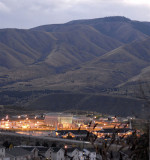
{"x": 67, "y": 121}
{"x": 81, "y": 155}
{"x": 72, "y": 133}
{"x": 18, "y": 154}
{"x": 81, "y": 120}
{"x": 2, "y": 152}
{"x": 55, "y": 154}
{"x": 59, "y": 120}
{"x": 38, "y": 152}
{"x": 90, "y": 153}
{"x": 110, "y": 131}
{"x": 72, "y": 154}
{"x": 34, "y": 150}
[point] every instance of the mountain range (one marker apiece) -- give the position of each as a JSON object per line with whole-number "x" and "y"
{"x": 106, "y": 57}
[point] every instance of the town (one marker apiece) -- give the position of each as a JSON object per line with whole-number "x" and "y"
{"x": 58, "y": 136}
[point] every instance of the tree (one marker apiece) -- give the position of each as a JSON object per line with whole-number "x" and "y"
{"x": 6, "y": 144}
{"x": 37, "y": 143}
{"x": 53, "y": 145}
{"x": 45, "y": 144}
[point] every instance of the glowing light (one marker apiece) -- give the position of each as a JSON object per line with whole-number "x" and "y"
{"x": 7, "y": 127}
{"x": 24, "y": 127}
{"x": 66, "y": 147}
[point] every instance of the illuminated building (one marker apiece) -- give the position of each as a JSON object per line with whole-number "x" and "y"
{"x": 59, "y": 120}
{"x": 110, "y": 131}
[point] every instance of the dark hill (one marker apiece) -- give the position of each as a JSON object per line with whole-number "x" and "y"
{"x": 89, "y": 102}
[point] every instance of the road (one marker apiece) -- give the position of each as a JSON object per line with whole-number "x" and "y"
{"x": 45, "y": 138}
{"x": 114, "y": 147}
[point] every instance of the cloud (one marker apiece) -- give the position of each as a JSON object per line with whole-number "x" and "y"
{"x": 30, "y": 13}
{"x": 3, "y": 7}
{"x": 137, "y": 2}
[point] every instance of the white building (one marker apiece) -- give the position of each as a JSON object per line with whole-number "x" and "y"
{"x": 18, "y": 154}
{"x": 59, "y": 120}
{"x": 55, "y": 154}
{"x": 87, "y": 154}
{"x": 32, "y": 149}
{"x": 2, "y": 152}
{"x": 90, "y": 153}
{"x": 81, "y": 156}
{"x": 72, "y": 153}
{"x": 64, "y": 120}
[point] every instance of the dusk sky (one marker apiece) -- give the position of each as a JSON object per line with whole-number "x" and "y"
{"x": 31, "y": 13}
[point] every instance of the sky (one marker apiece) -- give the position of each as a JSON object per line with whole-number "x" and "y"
{"x": 31, "y": 13}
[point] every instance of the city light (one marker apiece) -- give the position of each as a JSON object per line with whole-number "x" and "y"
{"x": 31, "y": 123}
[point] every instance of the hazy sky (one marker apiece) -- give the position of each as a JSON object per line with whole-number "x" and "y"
{"x": 30, "y": 13}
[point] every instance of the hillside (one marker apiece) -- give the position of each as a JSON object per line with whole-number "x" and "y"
{"x": 119, "y": 28}
{"x": 108, "y": 71}
{"x": 31, "y": 54}
{"x": 29, "y": 47}
{"x": 104, "y": 56}
{"x": 89, "y": 102}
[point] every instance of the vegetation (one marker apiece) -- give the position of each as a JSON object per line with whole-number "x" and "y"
{"x": 99, "y": 56}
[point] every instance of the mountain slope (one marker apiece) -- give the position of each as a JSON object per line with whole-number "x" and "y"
{"x": 84, "y": 43}
{"x": 89, "y": 102}
{"x": 40, "y": 46}
{"x": 119, "y": 28}
{"x": 72, "y": 45}
{"x": 30, "y": 54}
{"x": 32, "y": 45}
{"x": 97, "y": 56}
{"x": 109, "y": 70}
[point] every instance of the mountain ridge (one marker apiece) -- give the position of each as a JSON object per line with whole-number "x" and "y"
{"x": 100, "y": 56}
{"x": 103, "y": 25}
